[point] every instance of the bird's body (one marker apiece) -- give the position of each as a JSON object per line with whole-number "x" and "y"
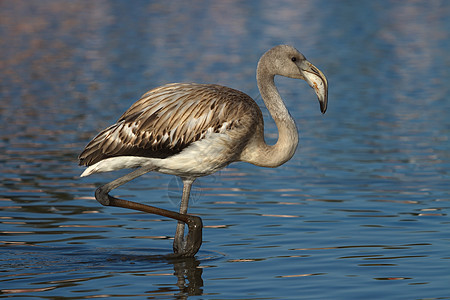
{"x": 183, "y": 129}
{"x": 192, "y": 130}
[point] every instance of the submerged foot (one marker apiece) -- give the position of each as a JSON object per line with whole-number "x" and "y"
{"x": 190, "y": 244}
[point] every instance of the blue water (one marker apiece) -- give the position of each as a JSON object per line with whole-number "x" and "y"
{"x": 360, "y": 212}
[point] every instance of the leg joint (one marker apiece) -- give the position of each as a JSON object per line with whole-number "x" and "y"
{"x": 102, "y": 196}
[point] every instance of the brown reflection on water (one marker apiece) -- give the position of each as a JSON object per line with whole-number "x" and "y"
{"x": 363, "y": 253}
{"x": 69, "y": 69}
{"x": 300, "y": 275}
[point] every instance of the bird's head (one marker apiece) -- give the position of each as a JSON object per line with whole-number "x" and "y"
{"x": 287, "y": 61}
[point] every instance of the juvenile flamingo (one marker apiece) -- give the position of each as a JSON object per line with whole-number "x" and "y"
{"x": 192, "y": 130}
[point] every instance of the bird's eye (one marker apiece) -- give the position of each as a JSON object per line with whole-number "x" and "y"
{"x": 294, "y": 58}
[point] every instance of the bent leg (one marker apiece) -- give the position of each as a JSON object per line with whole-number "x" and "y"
{"x": 181, "y": 248}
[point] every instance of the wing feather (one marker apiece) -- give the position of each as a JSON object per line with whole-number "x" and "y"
{"x": 167, "y": 119}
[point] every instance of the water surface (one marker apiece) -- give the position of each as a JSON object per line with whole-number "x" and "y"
{"x": 360, "y": 212}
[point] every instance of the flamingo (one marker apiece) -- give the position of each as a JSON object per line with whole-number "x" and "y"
{"x": 192, "y": 130}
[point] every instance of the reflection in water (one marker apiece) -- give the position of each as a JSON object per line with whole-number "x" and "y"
{"x": 188, "y": 269}
{"x": 76, "y": 266}
{"x": 366, "y": 196}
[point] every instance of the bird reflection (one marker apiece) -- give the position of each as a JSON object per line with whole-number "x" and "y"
{"x": 189, "y": 276}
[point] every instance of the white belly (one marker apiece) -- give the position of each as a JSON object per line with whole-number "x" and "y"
{"x": 199, "y": 159}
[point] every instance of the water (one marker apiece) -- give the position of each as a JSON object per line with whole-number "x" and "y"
{"x": 360, "y": 212}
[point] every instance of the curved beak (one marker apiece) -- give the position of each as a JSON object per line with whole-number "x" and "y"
{"x": 315, "y": 78}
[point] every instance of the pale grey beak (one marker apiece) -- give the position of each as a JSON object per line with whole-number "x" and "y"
{"x": 315, "y": 78}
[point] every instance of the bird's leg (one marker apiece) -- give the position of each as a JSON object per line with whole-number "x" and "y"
{"x": 179, "y": 242}
{"x": 102, "y": 193}
{"x": 194, "y": 237}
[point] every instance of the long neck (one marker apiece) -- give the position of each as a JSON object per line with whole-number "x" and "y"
{"x": 284, "y": 149}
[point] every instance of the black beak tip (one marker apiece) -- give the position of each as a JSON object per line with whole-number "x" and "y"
{"x": 323, "y": 107}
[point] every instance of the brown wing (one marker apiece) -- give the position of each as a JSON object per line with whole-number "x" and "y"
{"x": 169, "y": 118}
